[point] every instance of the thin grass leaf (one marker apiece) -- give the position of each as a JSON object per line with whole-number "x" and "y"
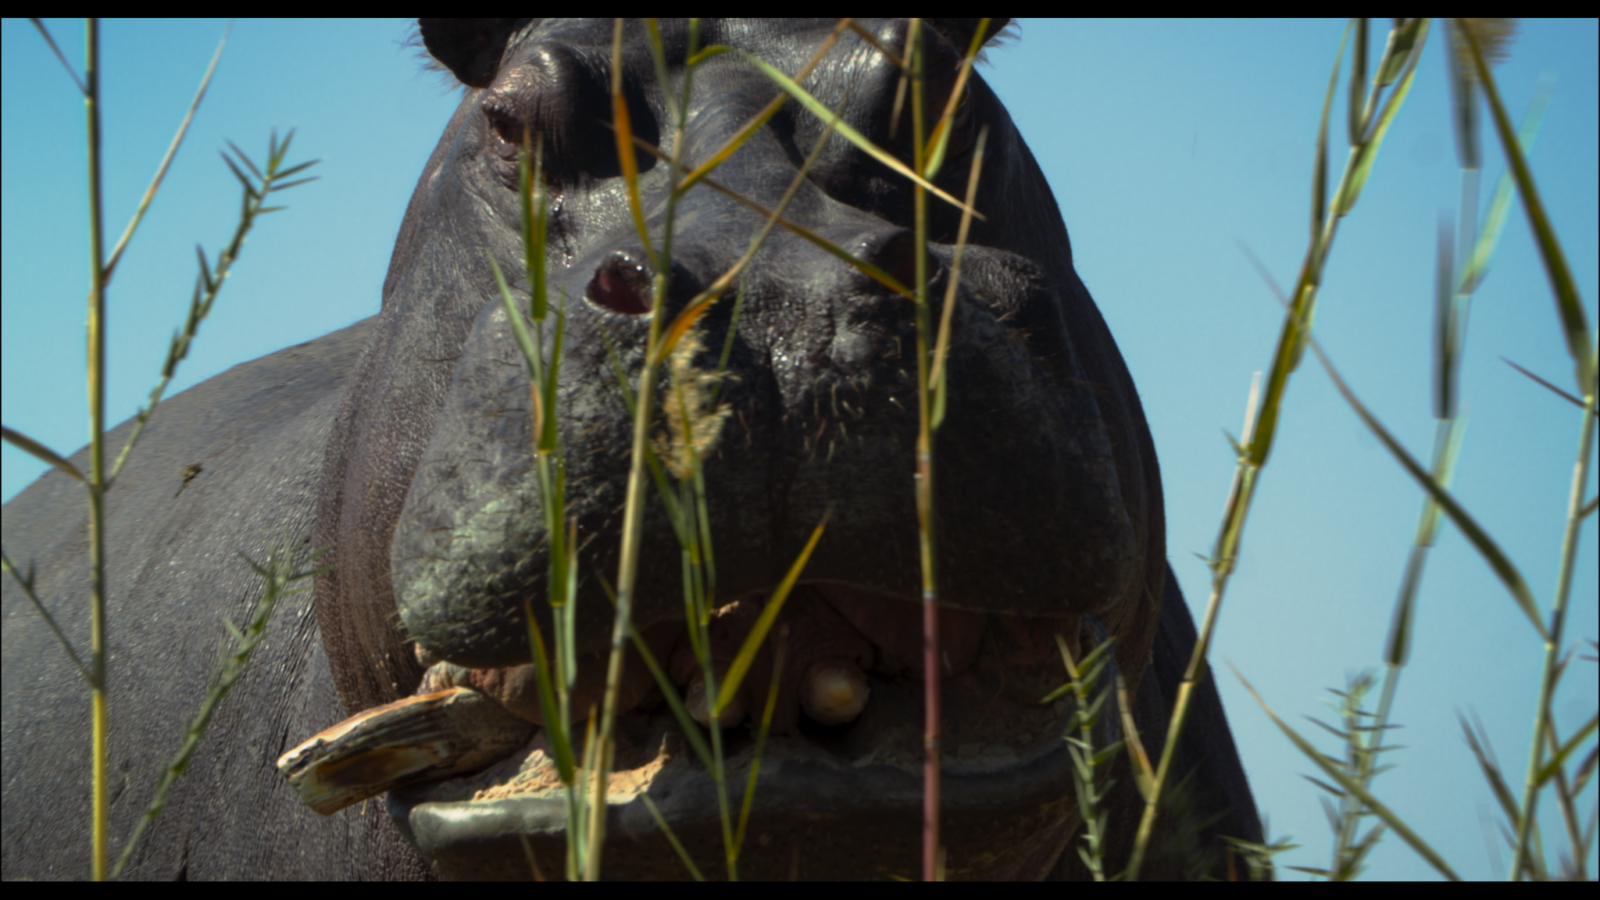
{"x": 702, "y": 303}
{"x": 82, "y": 88}
{"x": 166, "y": 160}
{"x": 1341, "y": 735}
{"x": 861, "y": 265}
{"x": 623, "y": 128}
{"x": 1491, "y": 771}
{"x": 1356, "y": 124}
{"x": 1319, "y": 169}
{"x": 677, "y": 846}
{"x": 1477, "y": 266}
{"x": 554, "y": 723}
{"x": 1448, "y": 437}
{"x": 1332, "y": 768}
{"x": 939, "y": 141}
{"x": 822, "y": 112}
{"x": 244, "y": 158}
{"x": 519, "y": 331}
{"x": 1569, "y": 306}
{"x": 758, "y": 633}
{"x": 1447, "y": 332}
{"x": 1557, "y": 759}
{"x": 691, "y": 730}
{"x": 279, "y": 572}
{"x": 1557, "y": 391}
{"x": 38, "y": 451}
{"x": 1586, "y": 771}
{"x": 1589, "y": 508}
{"x": 760, "y": 118}
{"x": 1327, "y": 808}
{"x": 1485, "y": 545}
{"x": 26, "y": 583}
{"x": 941, "y": 349}
{"x": 1365, "y": 155}
{"x": 761, "y": 740}
{"x": 1144, "y": 774}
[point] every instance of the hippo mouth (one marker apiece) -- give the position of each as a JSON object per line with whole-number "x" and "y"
{"x": 846, "y": 744}
{"x": 845, "y": 747}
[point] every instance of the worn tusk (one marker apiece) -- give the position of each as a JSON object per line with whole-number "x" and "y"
{"x": 834, "y": 691}
{"x": 700, "y": 708}
{"x": 449, "y": 732}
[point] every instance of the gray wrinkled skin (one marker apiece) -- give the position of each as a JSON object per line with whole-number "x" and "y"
{"x": 403, "y": 444}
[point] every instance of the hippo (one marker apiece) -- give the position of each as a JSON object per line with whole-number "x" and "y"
{"x": 402, "y": 444}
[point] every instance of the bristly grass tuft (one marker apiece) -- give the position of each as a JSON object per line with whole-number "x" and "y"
{"x": 694, "y": 416}
{"x": 1494, "y": 36}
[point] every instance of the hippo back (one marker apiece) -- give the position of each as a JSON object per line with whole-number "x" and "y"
{"x": 174, "y": 574}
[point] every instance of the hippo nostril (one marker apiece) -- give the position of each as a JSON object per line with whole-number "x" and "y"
{"x": 620, "y": 285}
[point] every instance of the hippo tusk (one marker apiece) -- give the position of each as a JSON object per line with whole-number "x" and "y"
{"x": 694, "y": 699}
{"x": 834, "y": 691}
{"x": 435, "y": 735}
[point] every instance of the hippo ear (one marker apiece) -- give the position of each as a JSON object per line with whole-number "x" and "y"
{"x": 470, "y": 48}
{"x": 960, "y": 31}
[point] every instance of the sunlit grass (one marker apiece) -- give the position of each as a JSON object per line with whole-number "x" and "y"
{"x": 678, "y": 416}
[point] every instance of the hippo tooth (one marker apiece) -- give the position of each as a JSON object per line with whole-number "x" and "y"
{"x": 695, "y": 701}
{"x": 435, "y": 735}
{"x": 834, "y": 691}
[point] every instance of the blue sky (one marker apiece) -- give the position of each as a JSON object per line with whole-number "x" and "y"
{"x": 1168, "y": 146}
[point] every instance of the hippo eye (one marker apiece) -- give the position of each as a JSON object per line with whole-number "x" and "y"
{"x": 508, "y": 131}
{"x": 565, "y": 99}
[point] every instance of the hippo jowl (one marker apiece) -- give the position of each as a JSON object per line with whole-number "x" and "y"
{"x": 402, "y": 443}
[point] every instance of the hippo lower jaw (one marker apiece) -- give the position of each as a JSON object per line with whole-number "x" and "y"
{"x": 1007, "y": 792}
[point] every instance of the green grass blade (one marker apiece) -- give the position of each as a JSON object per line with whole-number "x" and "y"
{"x": 1574, "y": 321}
{"x": 760, "y": 118}
{"x": 1491, "y": 770}
{"x": 45, "y": 33}
{"x": 1557, "y": 759}
{"x": 691, "y": 728}
{"x": 1356, "y": 121}
{"x": 1447, "y": 332}
{"x": 822, "y": 112}
{"x": 1493, "y": 223}
{"x": 1485, "y": 545}
{"x": 761, "y": 740}
{"x": 939, "y": 141}
{"x": 26, "y": 583}
{"x": 166, "y": 161}
{"x": 1319, "y": 170}
{"x": 1367, "y": 153}
{"x": 560, "y": 738}
{"x": 941, "y": 349}
{"x": 1333, "y": 770}
{"x": 1557, "y": 391}
{"x": 758, "y": 633}
{"x": 625, "y": 153}
{"x": 677, "y": 845}
{"x": 38, "y": 451}
{"x": 519, "y": 330}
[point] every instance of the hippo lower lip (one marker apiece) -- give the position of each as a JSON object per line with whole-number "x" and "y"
{"x": 1002, "y": 750}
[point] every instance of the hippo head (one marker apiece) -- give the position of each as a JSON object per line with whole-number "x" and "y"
{"x": 1047, "y": 512}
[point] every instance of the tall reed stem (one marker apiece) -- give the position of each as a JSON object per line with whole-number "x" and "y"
{"x": 97, "y": 455}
